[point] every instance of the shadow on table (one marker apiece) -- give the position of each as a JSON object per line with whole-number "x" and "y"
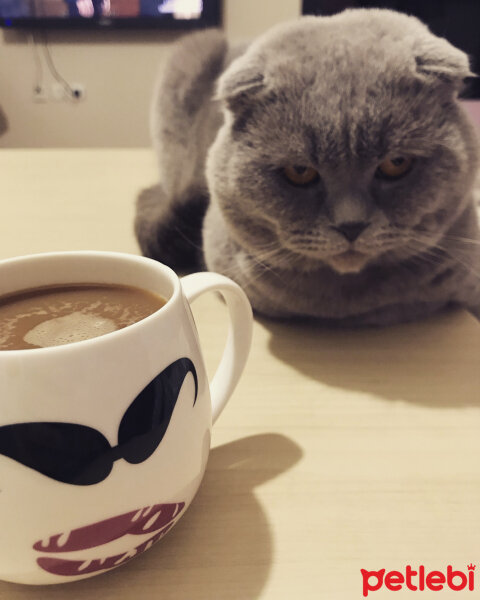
{"x": 435, "y": 362}
{"x": 222, "y": 548}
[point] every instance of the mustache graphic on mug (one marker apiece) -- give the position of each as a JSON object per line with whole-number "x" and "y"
{"x": 80, "y": 455}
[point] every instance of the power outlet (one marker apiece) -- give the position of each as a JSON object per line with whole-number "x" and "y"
{"x": 78, "y": 92}
{"x": 40, "y": 93}
{"x": 64, "y": 93}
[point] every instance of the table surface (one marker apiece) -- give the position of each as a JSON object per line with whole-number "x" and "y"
{"x": 338, "y": 450}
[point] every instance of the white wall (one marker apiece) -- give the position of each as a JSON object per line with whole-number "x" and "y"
{"x": 118, "y": 70}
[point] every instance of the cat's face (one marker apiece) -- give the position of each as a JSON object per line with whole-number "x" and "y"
{"x": 338, "y": 148}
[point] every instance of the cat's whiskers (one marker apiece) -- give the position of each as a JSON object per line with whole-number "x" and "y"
{"x": 425, "y": 256}
{"x": 460, "y": 260}
{"x": 419, "y": 256}
{"x": 283, "y": 259}
{"x": 187, "y": 239}
{"x": 258, "y": 266}
{"x": 440, "y": 252}
{"x": 462, "y": 240}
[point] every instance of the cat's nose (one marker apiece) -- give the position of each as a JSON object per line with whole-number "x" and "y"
{"x": 351, "y": 230}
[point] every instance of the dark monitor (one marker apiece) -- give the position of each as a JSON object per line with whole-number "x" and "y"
{"x": 456, "y": 20}
{"x": 110, "y": 14}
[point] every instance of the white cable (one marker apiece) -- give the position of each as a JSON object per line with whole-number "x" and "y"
{"x": 53, "y": 70}
{"x": 38, "y": 84}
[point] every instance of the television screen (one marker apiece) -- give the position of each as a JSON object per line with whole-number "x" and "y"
{"x": 162, "y": 14}
{"x": 456, "y": 20}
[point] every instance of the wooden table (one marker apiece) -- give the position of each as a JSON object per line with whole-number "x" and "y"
{"x": 338, "y": 451}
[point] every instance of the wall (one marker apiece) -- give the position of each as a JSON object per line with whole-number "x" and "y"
{"x": 118, "y": 70}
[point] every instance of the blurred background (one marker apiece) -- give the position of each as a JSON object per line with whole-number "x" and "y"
{"x": 80, "y": 73}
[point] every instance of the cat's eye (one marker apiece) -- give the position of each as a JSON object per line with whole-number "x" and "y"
{"x": 394, "y": 168}
{"x": 300, "y": 175}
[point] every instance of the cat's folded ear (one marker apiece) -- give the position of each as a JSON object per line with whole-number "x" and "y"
{"x": 438, "y": 61}
{"x": 241, "y": 82}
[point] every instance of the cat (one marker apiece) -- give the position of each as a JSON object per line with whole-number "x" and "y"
{"x": 3, "y": 122}
{"x": 328, "y": 168}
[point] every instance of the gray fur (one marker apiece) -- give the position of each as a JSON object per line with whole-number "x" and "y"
{"x": 3, "y": 122}
{"x": 338, "y": 94}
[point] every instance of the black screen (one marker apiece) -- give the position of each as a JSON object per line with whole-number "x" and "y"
{"x": 161, "y": 14}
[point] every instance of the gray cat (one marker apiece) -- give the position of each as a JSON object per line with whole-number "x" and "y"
{"x": 328, "y": 168}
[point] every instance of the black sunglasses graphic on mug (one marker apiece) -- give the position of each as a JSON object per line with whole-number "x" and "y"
{"x": 80, "y": 455}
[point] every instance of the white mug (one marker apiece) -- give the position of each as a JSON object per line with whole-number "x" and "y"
{"x": 104, "y": 442}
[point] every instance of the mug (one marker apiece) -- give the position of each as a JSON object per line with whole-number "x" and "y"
{"x": 104, "y": 442}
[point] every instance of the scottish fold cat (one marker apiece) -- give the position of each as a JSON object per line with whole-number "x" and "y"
{"x": 327, "y": 167}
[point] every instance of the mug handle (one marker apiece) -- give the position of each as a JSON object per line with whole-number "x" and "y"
{"x": 239, "y": 336}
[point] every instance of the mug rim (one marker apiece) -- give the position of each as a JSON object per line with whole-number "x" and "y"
{"x": 90, "y": 254}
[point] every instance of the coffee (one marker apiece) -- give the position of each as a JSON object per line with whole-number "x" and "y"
{"x": 58, "y": 315}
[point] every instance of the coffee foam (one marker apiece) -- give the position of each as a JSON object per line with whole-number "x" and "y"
{"x": 75, "y": 327}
